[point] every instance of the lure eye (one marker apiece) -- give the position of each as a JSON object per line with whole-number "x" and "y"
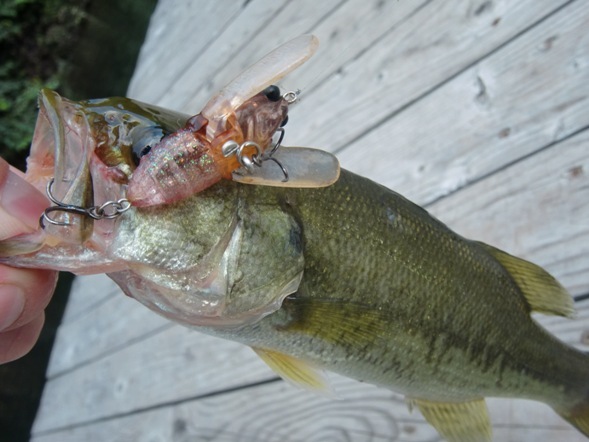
{"x": 143, "y": 140}
{"x": 272, "y": 93}
{"x": 284, "y": 121}
{"x": 136, "y": 156}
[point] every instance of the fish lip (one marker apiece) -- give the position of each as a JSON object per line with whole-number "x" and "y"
{"x": 60, "y": 152}
{"x": 63, "y": 143}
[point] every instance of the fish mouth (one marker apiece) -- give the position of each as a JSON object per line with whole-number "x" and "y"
{"x": 82, "y": 154}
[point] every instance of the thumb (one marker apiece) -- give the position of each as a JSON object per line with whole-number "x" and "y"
{"x": 21, "y": 204}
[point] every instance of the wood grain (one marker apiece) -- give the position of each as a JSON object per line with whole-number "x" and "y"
{"x": 87, "y": 294}
{"x": 537, "y": 208}
{"x": 296, "y": 18}
{"x": 175, "y": 364}
{"x": 179, "y": 31}
{"x": 515, "y": 102}
{"x": 212, "y": 58}
{"x": 110, "y": 326}
{"x": 278, "y": 412}
{"x": 436, "y": 43}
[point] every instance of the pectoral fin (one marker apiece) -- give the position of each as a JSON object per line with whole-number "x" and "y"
{"x": 457, "y": 421}
{"x": 294, "y": 371}
{"x": 542, "y": 291}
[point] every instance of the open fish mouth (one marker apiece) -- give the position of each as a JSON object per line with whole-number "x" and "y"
{"x": 83, "y": 154}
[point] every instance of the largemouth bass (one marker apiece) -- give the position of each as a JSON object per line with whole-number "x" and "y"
{"x": 351, "y": 278}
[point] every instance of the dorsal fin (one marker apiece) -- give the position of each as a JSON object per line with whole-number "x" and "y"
{"x": 542, "y": 291}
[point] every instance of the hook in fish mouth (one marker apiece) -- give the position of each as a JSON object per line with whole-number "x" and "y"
{"x": 108, "y": 210}
{"x": 231, "y": 147}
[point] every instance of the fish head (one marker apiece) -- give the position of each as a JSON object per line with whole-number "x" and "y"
{"x": 84, "y": 153}
{"x": 210, "y": 259}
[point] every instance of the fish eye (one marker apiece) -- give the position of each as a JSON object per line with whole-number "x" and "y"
{"x": 272, "y": 93}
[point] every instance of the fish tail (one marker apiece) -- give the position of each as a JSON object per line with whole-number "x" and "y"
{"x": 577, "y": 416}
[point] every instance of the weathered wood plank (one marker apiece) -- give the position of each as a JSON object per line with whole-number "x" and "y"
{"x": 280, "y": 412}
{"x": 297, "y": 17}
{"x": 537, "y": 209}
{"x": 86, "y": 294}
{"x": 525, "y": 96}
{"x": 172, "y": 365}
{"x": 355, "y": 27}
{"x": 110, "y": 326}
{"x": 214, "y": 56}
{"x": 336, "y": 47}
{"x": 179, "y": 31}
{"x": 432, "y": 45}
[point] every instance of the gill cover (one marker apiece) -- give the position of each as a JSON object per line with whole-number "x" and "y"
{"x": 209, "y": 260}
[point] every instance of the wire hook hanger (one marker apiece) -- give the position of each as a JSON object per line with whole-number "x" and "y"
{"x": 108, "y": 210}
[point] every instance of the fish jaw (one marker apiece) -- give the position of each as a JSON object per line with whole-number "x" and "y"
{"x": 81, "y": 158}
{"x": 60, "y": 152}
{"x": 60, "y": 165}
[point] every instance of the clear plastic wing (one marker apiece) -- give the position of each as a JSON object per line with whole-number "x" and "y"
{"x": 262, "y": 74}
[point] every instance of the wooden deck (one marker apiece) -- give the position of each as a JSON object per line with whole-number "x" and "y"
{"x": 477, "y": 110}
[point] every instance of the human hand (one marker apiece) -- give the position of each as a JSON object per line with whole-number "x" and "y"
{"x": 24, "y": 293}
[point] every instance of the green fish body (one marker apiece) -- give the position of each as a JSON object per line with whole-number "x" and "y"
{"x": 391, "y": 296}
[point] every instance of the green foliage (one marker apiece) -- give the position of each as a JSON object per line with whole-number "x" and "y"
{"x": 36, "y": 37}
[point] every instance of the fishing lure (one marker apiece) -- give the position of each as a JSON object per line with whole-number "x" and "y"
{"x": 232, "y": 138}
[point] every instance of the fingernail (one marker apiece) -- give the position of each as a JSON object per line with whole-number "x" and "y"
{"x": 12, "y": 304}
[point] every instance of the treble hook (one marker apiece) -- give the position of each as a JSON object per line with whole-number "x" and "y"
{"x": 270, "y": 157}
{"x": 108, "y": 210}
{"x": 232, "y": 148}
{"x": 284, "y": 169}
